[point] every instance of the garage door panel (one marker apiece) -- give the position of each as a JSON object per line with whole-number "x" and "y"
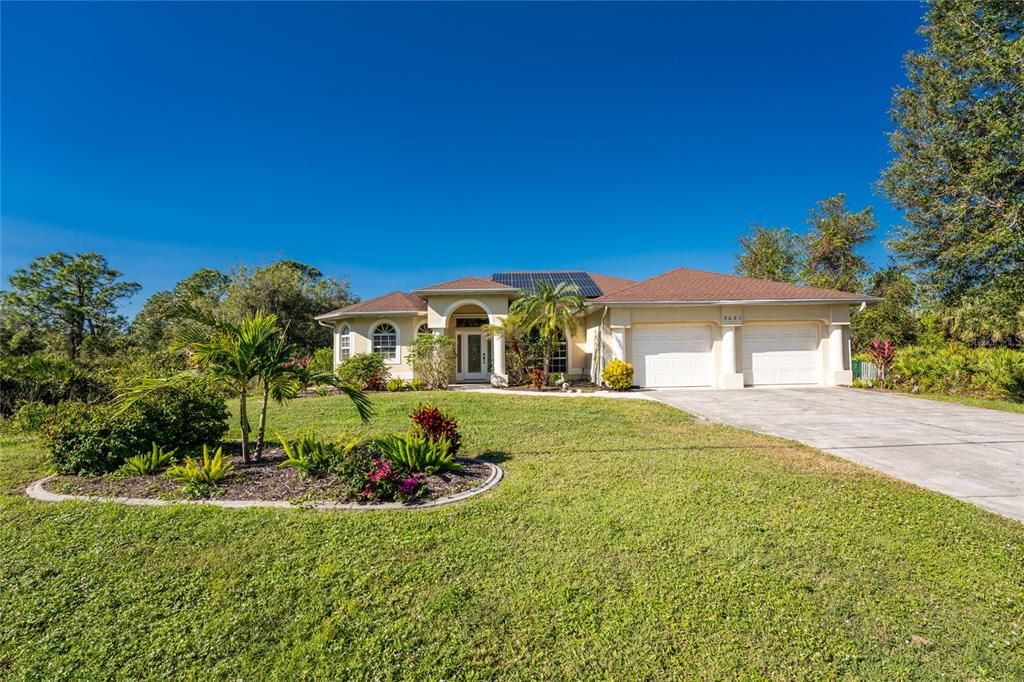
{"x": 672, "y": 356}
{"x": 780, "y": 354}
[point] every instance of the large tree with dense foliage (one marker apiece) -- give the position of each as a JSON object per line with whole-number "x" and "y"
{"x": 771, "y": 253}
{"x": 156, "y": 324}
{"x": 294, "y": 292}
{"x": 957, "y": 172}
{"x": 66, "y": 301}
{"x": 894, "y": 317}
{"x": 552, "y": 311}
{"x": 831, "y": 260}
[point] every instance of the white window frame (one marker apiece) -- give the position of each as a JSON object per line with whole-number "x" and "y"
{"x": 344, "y": 342}
{"x": 397, "y": 360}
{"x": 561, "y": 352}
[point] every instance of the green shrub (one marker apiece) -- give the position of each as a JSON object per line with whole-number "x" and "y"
{"x": 95, "y": 439}
{"x": 417, "y": 385}
{"x": 31, "y": 417}
{"x": 201, "y": 476}
{"x": 416, "y": 453}
{"x": 149, "y": 463}
{"x": 353, "y": 465}
{"x": 958, "y": 369}
{"x": 365, "y": 370}
{"x": 618, "y": 375}
{"x": 313, "y": 456}
{"x": 396, "y": 384}
{"x": 49, "y": 380}
{"x": 322, "y": 361}
{"x": 433, "y": 358}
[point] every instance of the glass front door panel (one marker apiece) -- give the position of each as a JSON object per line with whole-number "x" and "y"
{"x": 473, "y": 355}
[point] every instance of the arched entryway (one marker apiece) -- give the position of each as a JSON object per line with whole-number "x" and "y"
{"x": 474, "y": 359}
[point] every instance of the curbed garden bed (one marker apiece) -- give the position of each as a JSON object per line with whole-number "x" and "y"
{"x": 267, "y": 482}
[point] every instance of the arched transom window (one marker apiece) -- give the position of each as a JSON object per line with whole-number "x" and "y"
{"x": 385, "y": 340}
{"x": 345, "y": 343}
{"x": 422, "y": 329}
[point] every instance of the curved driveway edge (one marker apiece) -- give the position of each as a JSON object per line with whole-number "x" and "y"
{"x": 970, "y": 453}
{"x": 37, "y": 491}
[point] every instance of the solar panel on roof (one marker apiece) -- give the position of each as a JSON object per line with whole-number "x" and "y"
{"x": 525, "y": 280}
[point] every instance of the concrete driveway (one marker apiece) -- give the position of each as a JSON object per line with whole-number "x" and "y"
{"x": 970, "y": 453}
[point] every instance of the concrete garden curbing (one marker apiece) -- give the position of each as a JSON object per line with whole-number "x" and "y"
{"x": 37, "y": 491}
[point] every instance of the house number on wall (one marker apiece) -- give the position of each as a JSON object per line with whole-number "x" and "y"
{"x": 732, "y": 318}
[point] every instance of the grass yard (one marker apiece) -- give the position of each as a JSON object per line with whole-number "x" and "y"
{"x": 626, "y": 542}
{"x": 972, "y": 401}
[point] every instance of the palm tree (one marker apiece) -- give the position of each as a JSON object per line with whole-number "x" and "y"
{"x": 514, "y": 328}
{"x": 282, "y": 375}
{"x": 551, "y": 311}
{"x": 231, "y": 355}
{"x": 238, "y": 357}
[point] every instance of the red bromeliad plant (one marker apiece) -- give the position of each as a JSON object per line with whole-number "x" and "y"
{"x": 437, "y": 424}
{"x": 882, "y": 352}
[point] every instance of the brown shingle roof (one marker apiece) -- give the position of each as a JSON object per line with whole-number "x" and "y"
{"x": 467, "y": 284}
{"x": 395, "y": 302}
{"x": 609, "y": 284}
{"x": 683, "y": 285}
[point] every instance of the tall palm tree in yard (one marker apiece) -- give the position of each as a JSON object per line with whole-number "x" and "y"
{"x": 551, "y": 311}
{"x": 242, "y": 357}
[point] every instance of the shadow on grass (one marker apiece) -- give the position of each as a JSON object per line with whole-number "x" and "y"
{"x": 496, "y": 456}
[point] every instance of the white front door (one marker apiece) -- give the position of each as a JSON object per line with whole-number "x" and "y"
{"x": 471, "y": 356}
{"x": 672, "y": 356}
{"x": 780, "y": 354}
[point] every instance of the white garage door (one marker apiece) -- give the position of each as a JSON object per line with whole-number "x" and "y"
{"x": 672, "y": 356}
{"x": 780, "y": 354}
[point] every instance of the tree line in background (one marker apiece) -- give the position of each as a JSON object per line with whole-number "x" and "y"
{"x": 62, "y": 337}
{"x": 957, "y": 267}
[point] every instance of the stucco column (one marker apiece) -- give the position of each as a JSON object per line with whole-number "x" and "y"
{"x": 728, "y": 350}
{"x": 618, "y": 343}
{"x": 498, "y": 375}
{"x": 837, "y": 376}
{"x": 729, "y": 378}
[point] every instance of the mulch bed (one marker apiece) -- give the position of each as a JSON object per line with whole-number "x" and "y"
{"x": 262, "y": 480}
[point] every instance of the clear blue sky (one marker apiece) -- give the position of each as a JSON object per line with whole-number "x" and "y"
{"x": 403, "y": 144}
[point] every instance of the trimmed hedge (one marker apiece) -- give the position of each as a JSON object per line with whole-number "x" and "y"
{"x": 95, "y": 439}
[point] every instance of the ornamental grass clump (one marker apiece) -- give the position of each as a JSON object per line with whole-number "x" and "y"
{"x": 201, "y": 476}
{"x": 147, "y": 464}
{"x": 416, "y": 453}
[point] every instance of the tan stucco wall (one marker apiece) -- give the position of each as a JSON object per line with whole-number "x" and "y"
{"x": 439, "y": 307}
{"x": 361, "y": 326}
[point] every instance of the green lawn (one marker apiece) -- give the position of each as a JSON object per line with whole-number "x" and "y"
{"x": 972, "y": 401}
{"x": 626, "y": 542}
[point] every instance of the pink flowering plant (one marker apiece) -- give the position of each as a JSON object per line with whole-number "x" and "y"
{"x": 385, "y": 483}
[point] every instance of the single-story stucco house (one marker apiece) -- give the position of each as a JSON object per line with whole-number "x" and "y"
{"x": 681, "y": 328}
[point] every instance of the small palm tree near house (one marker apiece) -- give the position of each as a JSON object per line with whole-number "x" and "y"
{"x": 514, "y": 329}
{"x": 281, "y": 375}
{"x": 242, "y": 358}
{"x": 551, "y": 310}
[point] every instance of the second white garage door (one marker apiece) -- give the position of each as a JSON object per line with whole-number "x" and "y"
{"x": 780, "y": 354}
{"x": 672, "y": 356}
